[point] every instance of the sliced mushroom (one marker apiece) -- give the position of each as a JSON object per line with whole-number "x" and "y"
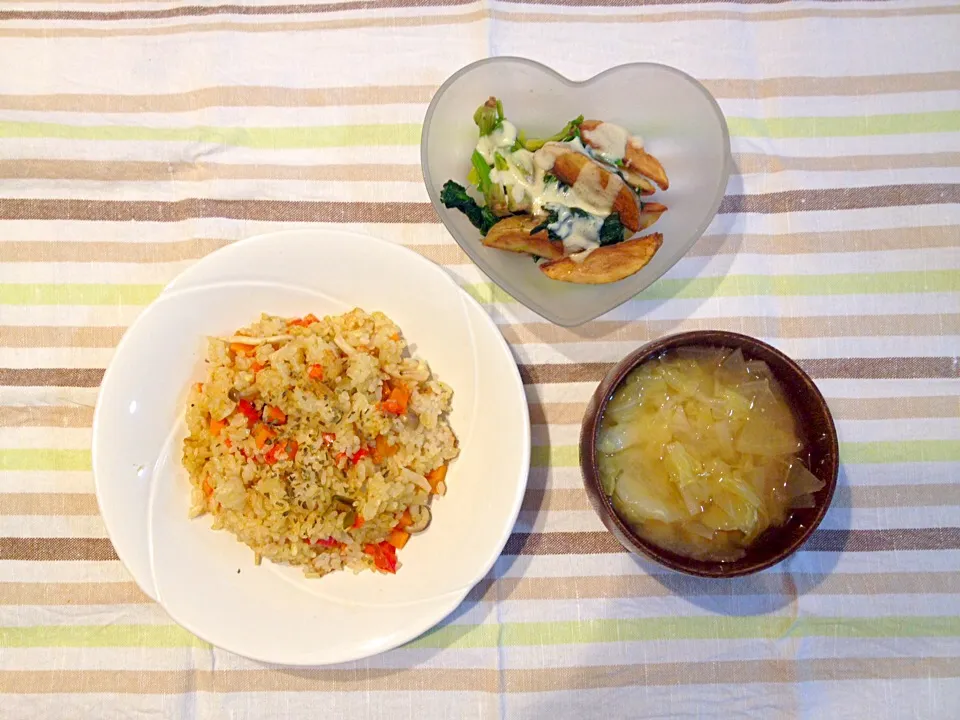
{"x": 421, "y": 519}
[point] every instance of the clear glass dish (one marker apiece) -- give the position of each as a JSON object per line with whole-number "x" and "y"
{"x": 680, "y": 122}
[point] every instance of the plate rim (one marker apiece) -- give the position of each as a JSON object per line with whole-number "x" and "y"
{"x": 435, "y": 609}
{"x": 520, "y": 294}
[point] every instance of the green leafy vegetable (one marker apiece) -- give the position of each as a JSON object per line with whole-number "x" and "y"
{"x": 549, "y": 220}
{"x": 483, "y": 172}
{"x": 500, "y": 162}
{"x": 455, "y": 197}
{"x": 489, "y": 116}
{"x": 570, "y": 131}
{"x": 611, "y": 232}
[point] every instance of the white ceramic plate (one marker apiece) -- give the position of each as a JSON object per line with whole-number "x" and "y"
{"x": 681, "y": 124}
{"x": 206, "y": 580}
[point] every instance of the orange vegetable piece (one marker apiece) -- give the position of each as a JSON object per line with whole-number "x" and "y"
{"x": 384, "y": 556}
{"x": 385, "y": 449}
{"x": 305, "y": 321}
{"x": 398, "y": 538}
{"x": 435, "y": 477}
{"x": 243, "y": 349}
{"x": 315, "y": 372}
{"x": 358, "y": 523}
{"x": 292, "y": 448}
{"x": 199, "y": 387}
{"x": 216, "y": 426}
{"x": 256, "y": 367}
{"x": 207, "y": 488}
{"x": 261, "y": 434}
{"x": 406, "y": 520}
{"x": 273, "y": 414}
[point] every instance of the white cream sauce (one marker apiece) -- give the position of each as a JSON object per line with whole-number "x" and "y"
{"x": 525, "y": 182}
{"x": 610, "y": 142}
{"x": 500, "y": 140}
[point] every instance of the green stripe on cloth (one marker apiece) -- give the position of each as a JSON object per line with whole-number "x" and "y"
{"x": 913, "y": 281}
{"x": 77, "y": 294}
{"x": 865, "y": 453}
{"x": 327, "y": 136}
{"x": 44, "y": 459}
{"x": 858, "y": 125}
{"x": 530, "y": 634}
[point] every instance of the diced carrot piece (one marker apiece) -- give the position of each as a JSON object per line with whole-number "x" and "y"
{"x": 392, "y": 406}
{"x": 261, "y": 434}
{"x": 305, "y": 321}
{"x": 398, "y": 538}
{"x": 358, "y": 523}
{"x": 406, "y": 520}
{"x": 243, "y": 349}
{"x": 256, "y": 367}
{"x": 216, "y": 426}
{"x": 273, "y": 414}
{"x": 437, "y": 476}
{"x": 385, "y": 449}
{"x": 315, "y": 372}
{"x": 207, "y": 488}
{"x": 228, "y": 443}
{"x": 395, "y": 337}
{"x": 292, "y": 448}
{"x": 199, "y": 387}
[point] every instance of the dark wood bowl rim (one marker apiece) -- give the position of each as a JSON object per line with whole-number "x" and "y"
{"x": 797, "y": 382}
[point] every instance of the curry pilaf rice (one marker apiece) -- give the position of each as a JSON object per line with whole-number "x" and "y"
{"x": 318, "y": 442}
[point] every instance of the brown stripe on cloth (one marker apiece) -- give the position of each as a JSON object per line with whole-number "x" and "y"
{"x": 643, "y": 330}
{"x": 58, "y": 336}
{"x": 272, "y": 96}
{"x": 843, "y": 198}
{"x": 482, "y": 680}
{"x": 162, "y": 252}
{"x": 444, "y": 19}
{"x": 51, "y": 377}
{"x": 190, "y": 208}
{"x": 71, "y": 593}
{"x": 146, "y": 171}
{"x": 822, "y": 368}
{"x": 411, "y": 212}
{"x": 317, "y": 8}
{"x": 553, "y": 543}
{"x": 541, "y": 374}
{"x": 776, "y": 584}
{"x": 561, "y": 588}
{"x": 100, "y": 336}
{"x": 58, "y": 504}
{"x": 598, "y": 543}
{"x": 64, "y": 416}
{"x": 59, "y": 548}
{"x": 540, "y": 499}
{"x": 877, "y": 240}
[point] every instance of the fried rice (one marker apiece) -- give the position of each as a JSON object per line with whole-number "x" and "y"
{"x": 318, "y": 442}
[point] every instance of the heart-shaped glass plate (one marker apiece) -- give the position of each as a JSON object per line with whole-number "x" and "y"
{"x": 681, "y": 124}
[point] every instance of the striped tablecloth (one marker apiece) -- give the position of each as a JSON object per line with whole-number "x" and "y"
{"x": 138, "y": 135}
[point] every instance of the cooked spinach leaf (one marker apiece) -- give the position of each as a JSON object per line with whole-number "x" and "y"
{"x": 611, "y": 232}
{"x": 455, "y": 197}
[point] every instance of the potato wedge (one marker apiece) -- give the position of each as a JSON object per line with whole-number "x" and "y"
{"x": 513, "y": 234}
{"x": 640, "y": 161}
{"x": 607, "y": 264}
{"x": 638, "y": 164}
{"x": 650, "y": 213}
{"x": 599, "y": 186}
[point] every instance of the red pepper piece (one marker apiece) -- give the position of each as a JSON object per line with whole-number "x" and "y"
{"x": 384, "y": 556}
